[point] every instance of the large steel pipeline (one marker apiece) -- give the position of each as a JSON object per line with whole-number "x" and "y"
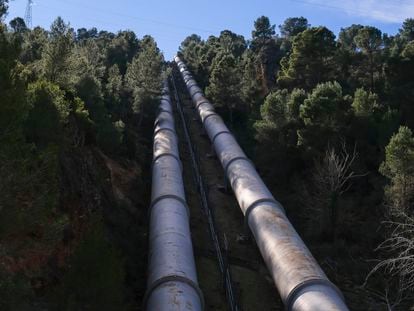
{"x": 172, "y": 279}
{"x": 202, "y": 190}
{"x": 301, "y": 283}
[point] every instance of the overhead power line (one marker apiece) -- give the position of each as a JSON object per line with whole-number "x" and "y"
{"x": 141, "y": 19}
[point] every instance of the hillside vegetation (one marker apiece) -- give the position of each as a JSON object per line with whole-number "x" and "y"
{"x": 327, "y": 121}
{"x": 328, "y": 124}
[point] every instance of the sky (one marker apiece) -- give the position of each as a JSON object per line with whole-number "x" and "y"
{"x": 169, "y": 22}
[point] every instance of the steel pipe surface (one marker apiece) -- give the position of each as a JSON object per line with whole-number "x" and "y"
{"x": 302, "y": 284}
{"x": 172, "y": 280}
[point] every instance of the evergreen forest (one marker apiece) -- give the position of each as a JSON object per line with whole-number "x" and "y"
{"x": 327, "y": 119}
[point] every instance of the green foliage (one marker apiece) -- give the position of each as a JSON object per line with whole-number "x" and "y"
{"x": 303, "y": 117}
{"x": 399, "y": 168}
{"x": 364, "y": 103}
{"x": 89, "y": 90}
{"x": 63, "y": 102}
{"x": 251, "y": 88}
{"x": 83, "y": 34}
{"x": 263, "y": 31}
{"x": 368, "y": 39}
{"x": 407, "y": 30}
{"x": 311, "y": 60}
{"x": 95, "y": 279}
{"x": 29, "y": 190}
{"x": 199, "y": 54}
{"x": 399, "y": 154}
{"x": 267, "y": 53}
{"x": 408, "y": 51}
{"x": 56, "y": 58}
{"x": 48, "y": 114}
{"x": 34, "y": 45}
{"x": 18, "y": 25}
{"x": 224, "y": 87}
{"x": 290, "y": 28}
{"x": 276, "y": 132}
{"x": 88, "y": 59}
{"x": 347, "y": 37}
{"x": 3, "y": 8}
{"x": 108, "y": 136}
{"x": 297, "y": 97}
{"x": 323, "y": 105}
{"x": 190, "y": 50}
{"x": 143, "y": 77}
{"x": 324, "y": 114}
{"x": 293, "y": 26}
{"x": 122, "y": 49}
{"x": 232, "y": 43}
{"x": 280, "y": 117}
{"x": 113, "y": 94}
{"x": 386, "y": 124}
{"x": 65, "y": 94}
{"x": 274, "y": 108}
{"x": 13, "y": 107}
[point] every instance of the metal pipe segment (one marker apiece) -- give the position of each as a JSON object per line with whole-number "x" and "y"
{"x": 302, "y": 284}
{"x": 172, "y": 278}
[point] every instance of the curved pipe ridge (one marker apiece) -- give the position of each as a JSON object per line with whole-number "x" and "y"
{"x": 169, "y": 119}
{"x": 168, "y": 154}
{"x": 166, "y": 100}
{"x": 196, "y": 92}
{"x": 213, "y": 113}
{"x": 164, "y": 129}
{"x": 192, "y": 84}
{"x": 218, "y": 134}
{"x": 206, "y": 103}
{"x": 174, "y": 278}
{"x": 202, "y": 102}
{"x": 257, "y": 203}
{"x": 170, "y": 196}
{"x": 163, "y": 110}
{"x": 295, "y": 292}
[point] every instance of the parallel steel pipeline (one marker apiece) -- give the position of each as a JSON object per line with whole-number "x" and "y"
{"x": 172, "y": 279}
{"x": 202, "y": 190}
{"x": 301, "y": 283}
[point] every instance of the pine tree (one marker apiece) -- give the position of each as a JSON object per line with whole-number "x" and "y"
{"x": 56, "y": 58}
{"x": 311, "y": 60}
{"x": 369, "y": 40}
{"x": 144, "y": 79}
{"x": 267, "y": 52}
{"x": 364, "y": 103}
{"x": 48, "y": 114}
{"x": 398, "y": 167}
{"x": 324, "y": 114}
{"x": 225, "y": 84}
{"x": 114, "y": 89}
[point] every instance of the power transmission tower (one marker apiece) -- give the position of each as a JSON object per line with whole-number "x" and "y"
{"x": 28, "y": 15}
